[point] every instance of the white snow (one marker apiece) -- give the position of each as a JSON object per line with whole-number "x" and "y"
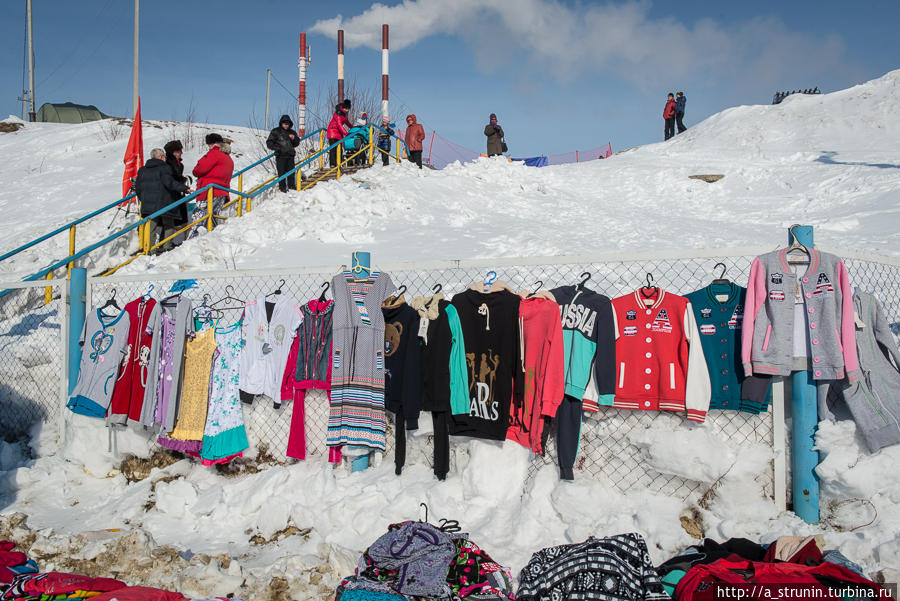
{"x": 831, "y": 161}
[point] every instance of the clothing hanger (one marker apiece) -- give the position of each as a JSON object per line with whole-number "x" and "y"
{"x": 400, "y": 291}
{"x": 229, "y": 292}
{"x": 584, "y": 278}
{"x": 721, "y": 279}
{"x": 797, "y": 246}
{"x": 325, "y": 286}
{"x": 277, "y": 290}
{"x": 434, "y": 291}
{"x": 111, "y": 302}
{"x": 146, "y": 295}
{"x": 489, "y": 278}
{"x": 537, "y": 286}
{"x": 648, "y": 291}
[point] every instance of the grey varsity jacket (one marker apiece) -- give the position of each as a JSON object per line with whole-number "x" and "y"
{"x": 767, "y": 342}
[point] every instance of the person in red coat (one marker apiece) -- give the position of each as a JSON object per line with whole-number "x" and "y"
{"x": 215, "y": 167}
{"x": 669, "y": 116}
{"x": 337, "y": 129}
{"x": 415, "y": 133}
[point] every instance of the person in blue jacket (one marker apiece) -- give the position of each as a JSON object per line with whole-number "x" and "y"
{"x": 384, "y": 140}
{"x": 680, "y": 100}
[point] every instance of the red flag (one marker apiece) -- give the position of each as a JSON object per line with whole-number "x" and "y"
{"x": 609, "y": 150}
{"x": 134, "y": 152}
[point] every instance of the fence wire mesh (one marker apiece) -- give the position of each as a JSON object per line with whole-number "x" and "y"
{"x": 607, "y": 450}
{"x": 31, "y": 359}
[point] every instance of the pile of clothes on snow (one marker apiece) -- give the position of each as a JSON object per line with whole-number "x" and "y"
{"x": 792, "y": 566}
{"x": 417, "y": 560}
{"x": 20, "y": 580}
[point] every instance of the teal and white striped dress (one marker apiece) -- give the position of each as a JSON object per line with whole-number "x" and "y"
{"x": 356, "y": 416}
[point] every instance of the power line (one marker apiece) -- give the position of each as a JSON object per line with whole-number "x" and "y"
{"x": 74, "y": 50}
{"x": 295, "y": 97}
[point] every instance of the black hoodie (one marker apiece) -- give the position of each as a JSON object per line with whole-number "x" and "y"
{"x": 280, "y": 141}
{"x": 490, "y": 325}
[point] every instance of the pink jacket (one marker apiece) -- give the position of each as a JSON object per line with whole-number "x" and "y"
{"x": 543, "y": 355}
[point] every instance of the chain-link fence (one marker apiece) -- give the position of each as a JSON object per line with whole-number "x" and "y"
{"x": 32, "y": 353}
{"x": 606, "y": 450}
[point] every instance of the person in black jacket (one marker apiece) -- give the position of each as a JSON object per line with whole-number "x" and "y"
{"x": 282, "y": 141}
{"x": 174, "y": 150}
{"x": 154, "y": 185}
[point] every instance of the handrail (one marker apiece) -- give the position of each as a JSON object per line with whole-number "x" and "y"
{"x": 63, "y": 228}
{"x": 393, "y": 136}
{"x": 268, "y": 156}
{"x": 113, "y": 205}
{"x": 196, "y": 194}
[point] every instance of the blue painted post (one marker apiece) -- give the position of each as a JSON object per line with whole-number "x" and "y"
{"x": 77, "y": 295}
{"x": 805, "y": 419}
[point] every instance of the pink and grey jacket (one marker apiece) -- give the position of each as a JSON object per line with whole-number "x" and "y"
{"x": 767, "y": 343}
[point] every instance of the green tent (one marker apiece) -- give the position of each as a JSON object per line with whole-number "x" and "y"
{"x": 69, "y": 112}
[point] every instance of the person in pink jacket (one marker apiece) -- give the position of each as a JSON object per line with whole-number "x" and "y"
{"x": 337, "y": 129}
{"x": 415, "y": 134}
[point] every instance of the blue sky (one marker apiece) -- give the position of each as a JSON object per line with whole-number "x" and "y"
{"x": 560, "y": 75}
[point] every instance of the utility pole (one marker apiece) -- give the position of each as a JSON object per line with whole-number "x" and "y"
{"x": 32, "y": 116}
{"x": 134, "y": 100}
{"x": 268, "y": 78}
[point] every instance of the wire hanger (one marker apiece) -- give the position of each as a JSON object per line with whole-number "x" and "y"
{"x": 721, "y": 279}
{"x": 277, "y": 290}
{"x": 537, "y": 286}
{"x": 229, "y": 292}
{"x": 325, "y": 286}
{"x": 648, "y": 290}
{"x": 584, "y": 278}
{"x": 111, "y": 302}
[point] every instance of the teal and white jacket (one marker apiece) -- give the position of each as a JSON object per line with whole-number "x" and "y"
{"x": 589, "y": 342}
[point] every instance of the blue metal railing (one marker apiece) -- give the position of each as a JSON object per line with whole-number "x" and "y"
{"x": 201, "y": 193}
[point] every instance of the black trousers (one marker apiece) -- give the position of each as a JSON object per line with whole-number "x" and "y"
{"x": 441, "y": 422}
{"x": 284, "y": 164}
{"x": 568, "y": 435}
{"x": 415, "y": 156}
{"x": 334, "y": 155}
{"x": 670, "y": 127}
{"x": 678, "y": 121}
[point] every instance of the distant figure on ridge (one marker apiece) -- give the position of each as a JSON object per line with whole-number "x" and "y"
{"x": 174, "y": 150}
{"x": 669, "y": 116}
{"x": 415, "y": 134}
{"x": 494, "y": 134}
{"x": 155, "y": 185}
{"x": 337, "y": 129}
{"x": 384, "y": 140}
{"x": 680, "y": 101}
{"x": 215, "y": 167}
{"x": 282, "y": 141}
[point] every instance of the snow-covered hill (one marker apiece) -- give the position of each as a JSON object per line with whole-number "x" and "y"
{"x": 828, "y": 160}
{"x": 831, "y": 160}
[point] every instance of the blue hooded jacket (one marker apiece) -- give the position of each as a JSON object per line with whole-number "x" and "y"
{"x": 679, "y": 103}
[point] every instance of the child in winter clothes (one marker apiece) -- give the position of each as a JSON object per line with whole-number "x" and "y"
{"x": 669, "y": 116}
{"x": 358, "y": 136}
{"x": 384, "y": 140}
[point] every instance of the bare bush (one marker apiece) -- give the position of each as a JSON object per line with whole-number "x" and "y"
{"x": 110, "y": 130}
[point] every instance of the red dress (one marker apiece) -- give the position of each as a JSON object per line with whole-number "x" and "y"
{"x": 128, "y": 394}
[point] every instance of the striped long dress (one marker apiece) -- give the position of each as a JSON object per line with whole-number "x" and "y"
{"x": 356, "y": 415}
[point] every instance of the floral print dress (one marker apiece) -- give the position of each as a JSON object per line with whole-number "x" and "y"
{"x": 224, "y": 436}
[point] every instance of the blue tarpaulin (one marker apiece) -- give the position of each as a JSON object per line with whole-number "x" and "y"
{"x": 540, "y": 161}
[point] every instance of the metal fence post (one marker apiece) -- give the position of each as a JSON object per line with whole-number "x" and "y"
{"x": 209, "y": 210}
{"x": 77, "y": 291}
{"x": 805, "y": 419}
